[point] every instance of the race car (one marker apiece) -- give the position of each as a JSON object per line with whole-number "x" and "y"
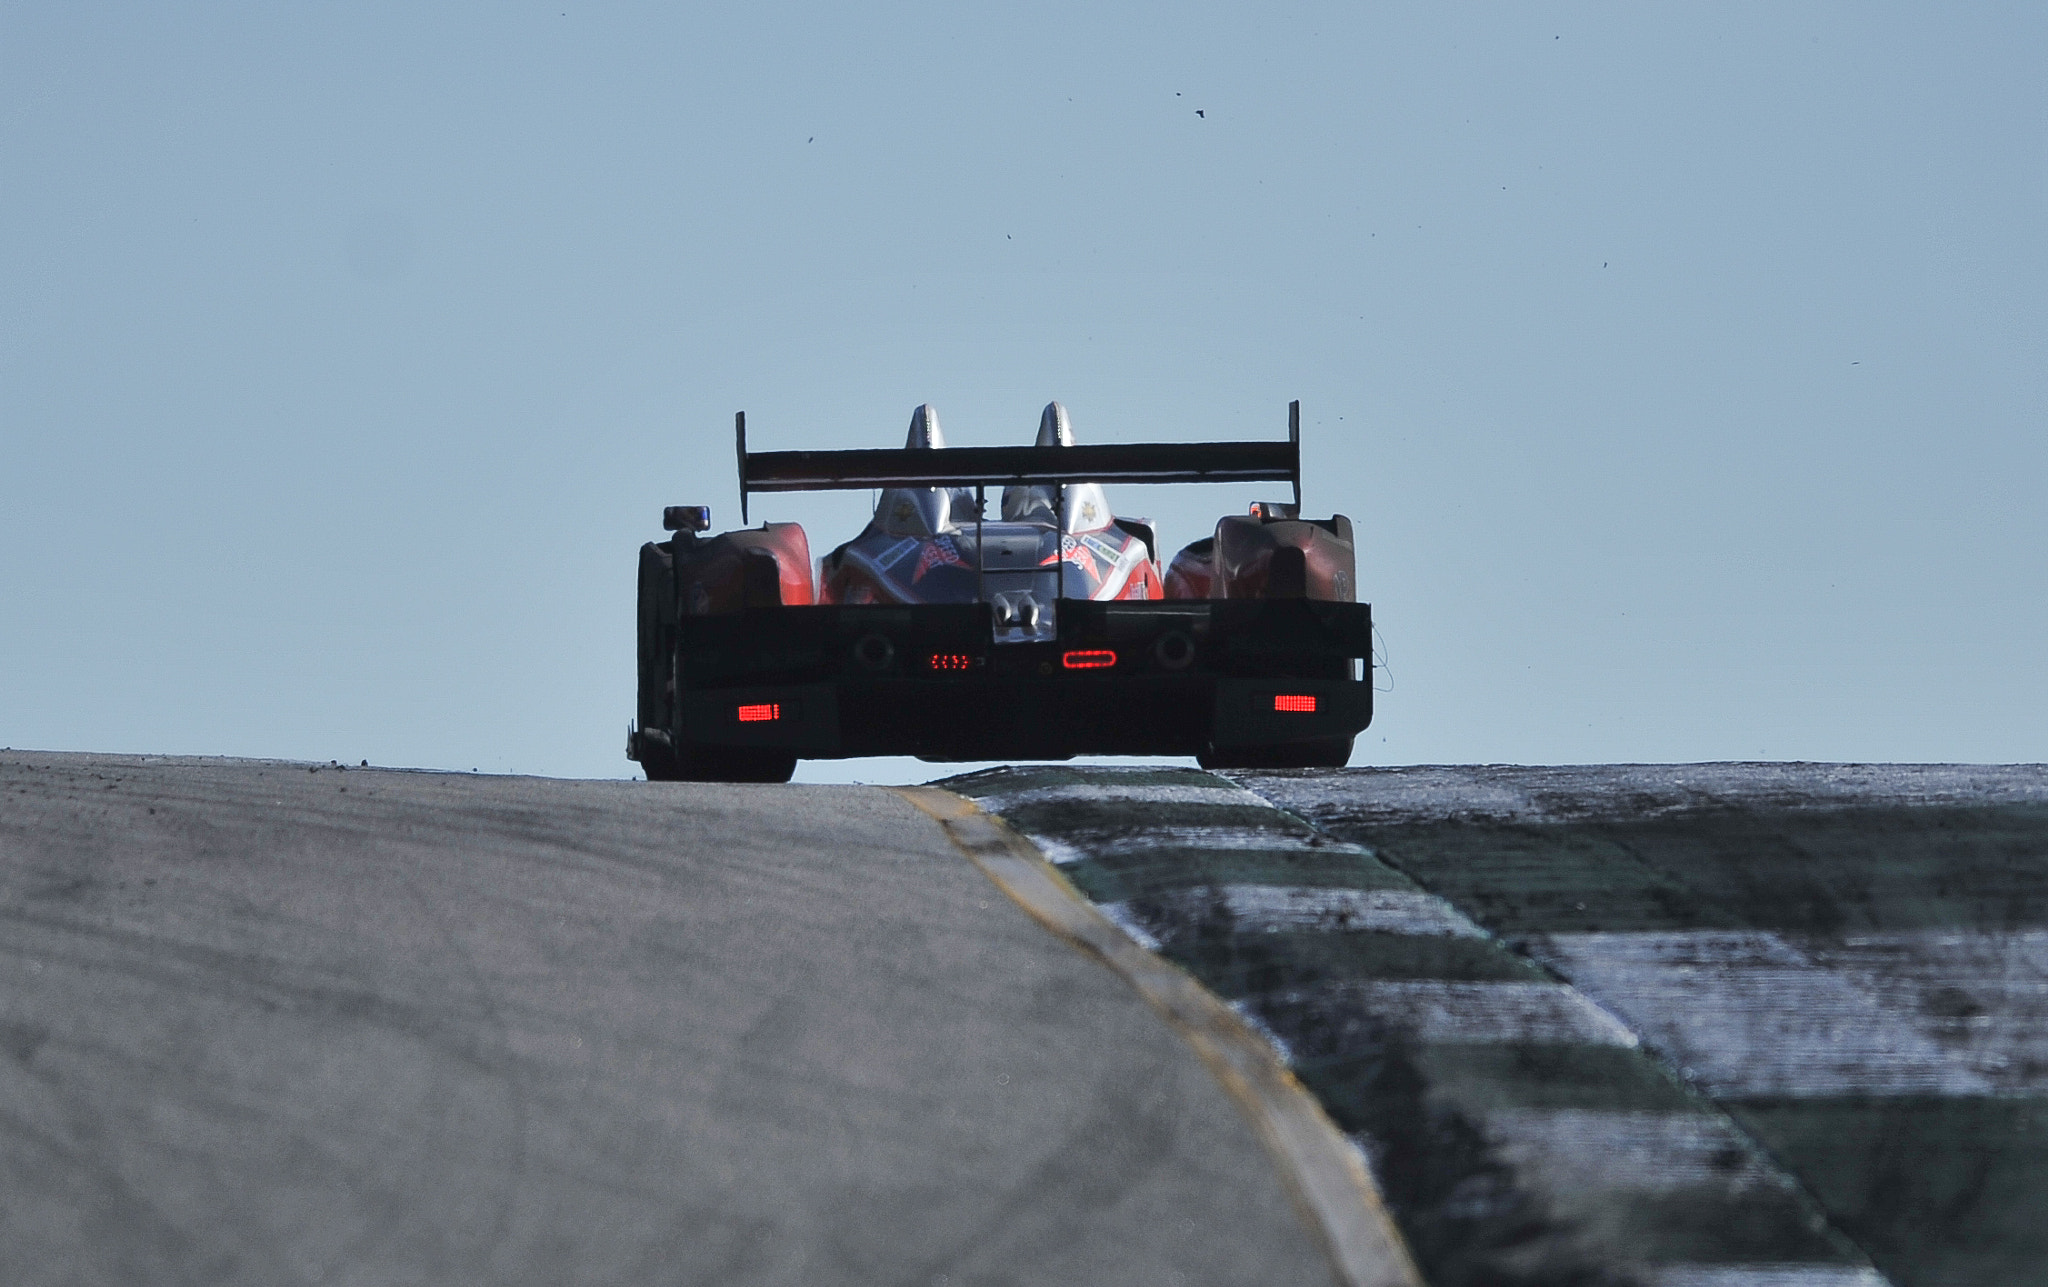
{"x": 1048, "y": 632}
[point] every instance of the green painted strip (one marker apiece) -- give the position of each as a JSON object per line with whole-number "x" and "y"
{"x": 1826, "y": 871}
{"x": 1079, "y": 818}
{"x": 1945, "y": 1190}
{"x": 1703, "y": 1224}
{"x": 1114, "y": 878}
{"x": 1237, "y": 965}
{"x": 1517, "y": 879}
{"x": 1530, "y": 1075}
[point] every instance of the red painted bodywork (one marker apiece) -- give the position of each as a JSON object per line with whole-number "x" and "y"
{"x": 713, "y": 576}
{"x": 1238, "y": 561}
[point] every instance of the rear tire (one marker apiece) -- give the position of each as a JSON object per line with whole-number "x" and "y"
{"x": 1316, "y": 753}
{"x": 658, "y": 762}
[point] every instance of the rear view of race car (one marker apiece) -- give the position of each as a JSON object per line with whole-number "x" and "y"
{"x": 1045, "y": 632}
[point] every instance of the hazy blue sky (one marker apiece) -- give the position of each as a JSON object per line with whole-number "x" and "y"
{"x": 1682, "y": 367}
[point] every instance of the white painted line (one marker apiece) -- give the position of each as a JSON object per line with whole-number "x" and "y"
{"x": 1748, "y": 1013}
{"x": 1587, "y": 1151}
{"x": 1120, "y": 915}
{"x": 1260, "y": 909}
{"x": 1981, "y": 997}
{"x": 1436, "y": 1011}
{"x": 1280, "y": 1044}
{"x": 1058, "y": 851}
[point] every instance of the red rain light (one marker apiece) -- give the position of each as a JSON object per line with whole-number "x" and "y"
{"x": 1088, "y": 659}
{"x": 951, "y": 661}
{"x": 1300, "y": 703}
{"x": 760, "y": 713}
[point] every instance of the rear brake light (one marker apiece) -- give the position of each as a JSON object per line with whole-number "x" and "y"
{"x": 760, "y": 713}
{"x": 1301, "y": 703}
{"x": 1088, "y": 659}
{"x": 951, "y": 661}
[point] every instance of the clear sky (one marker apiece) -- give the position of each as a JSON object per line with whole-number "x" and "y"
{"x": 1681, "y": 366}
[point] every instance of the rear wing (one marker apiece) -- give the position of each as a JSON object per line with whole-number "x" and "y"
{"x": 1195, "y": 462}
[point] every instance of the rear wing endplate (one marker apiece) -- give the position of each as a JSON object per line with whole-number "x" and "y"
{"x": 1196, "y": 462}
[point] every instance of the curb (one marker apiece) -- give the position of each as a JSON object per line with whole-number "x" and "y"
{"x": 1320, "y": 1169}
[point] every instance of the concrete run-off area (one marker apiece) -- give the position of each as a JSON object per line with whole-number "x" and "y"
{"x": 1752, "y": 1024}
{"x": 267, "y": 1023}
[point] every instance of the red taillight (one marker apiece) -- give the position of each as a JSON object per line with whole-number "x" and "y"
{"x": 1300, "y": 703}
{"x": 951, "y": 661}
{"x": 1088, "y": 659}
{"x": 760, "y": 712}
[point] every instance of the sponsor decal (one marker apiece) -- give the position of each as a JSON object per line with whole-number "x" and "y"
{"x": 1074, "y": 552}
{"x": 940, "y": 552}
{"x": 1124, "y": 563}
{"x": 1111, "y": 554}
{"x": 897, "y": 552}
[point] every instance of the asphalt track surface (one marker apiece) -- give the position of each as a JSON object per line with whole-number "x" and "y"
{"x": 1660, "y": 1026}
{"x": 263, "y": 1023}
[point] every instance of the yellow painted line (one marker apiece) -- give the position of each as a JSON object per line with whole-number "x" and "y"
{"x": 1321, "y": 1170}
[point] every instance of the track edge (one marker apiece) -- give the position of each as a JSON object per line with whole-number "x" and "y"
{"x": 1322, "y": 1171}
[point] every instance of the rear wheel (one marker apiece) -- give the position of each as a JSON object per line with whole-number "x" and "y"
{"x": 1316, "y": 753}
{"x": 657, "y": 635}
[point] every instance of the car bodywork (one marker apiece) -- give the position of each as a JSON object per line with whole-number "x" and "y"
{"x": 1048, "y": 632}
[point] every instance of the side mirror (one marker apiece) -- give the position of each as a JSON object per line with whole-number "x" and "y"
{"x": 686, "y": 518}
